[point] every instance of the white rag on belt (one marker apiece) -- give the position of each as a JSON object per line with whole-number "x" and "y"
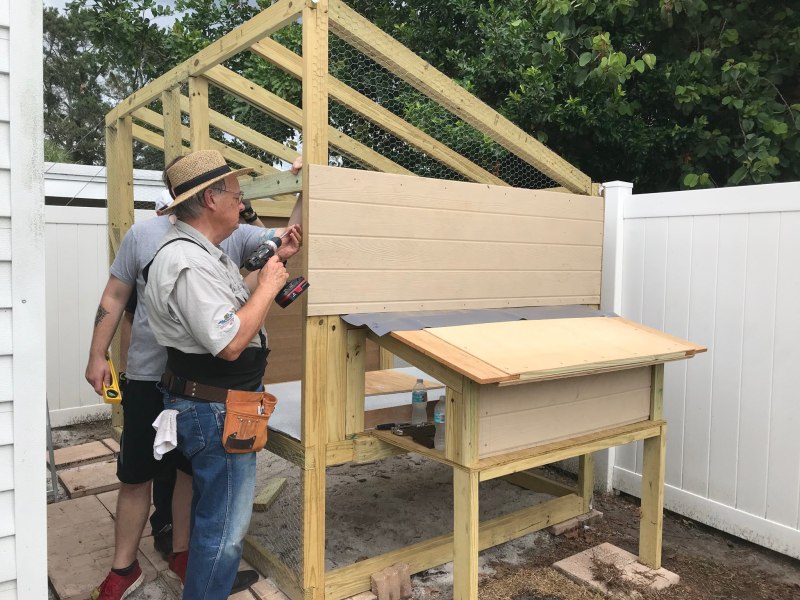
{"x": 166, "y": 433}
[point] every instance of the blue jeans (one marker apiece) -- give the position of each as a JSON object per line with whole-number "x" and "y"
{"x": 223, "y": 486}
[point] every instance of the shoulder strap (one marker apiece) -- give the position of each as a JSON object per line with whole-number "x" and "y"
{"x": 146, "y": 270}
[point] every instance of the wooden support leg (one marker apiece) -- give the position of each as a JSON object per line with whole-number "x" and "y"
{"x": 652, "y": 518}
{"x": 586, "y": 480}
{"x": 465, "y": 535}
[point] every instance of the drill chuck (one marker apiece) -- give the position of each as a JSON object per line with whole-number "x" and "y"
{"x": 262, "y": 254}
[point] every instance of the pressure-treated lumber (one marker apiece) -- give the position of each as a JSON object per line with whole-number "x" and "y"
{"x": 173, "y": 138}
{"x": 246, "y": 134}
{"x": 267, "y": 563}
{"x": 651, "y": 523}
{"x": 119, "y": 164}
{"x": 539, "y": 483}
{"x": 291, "y": 115}
{"x": 198, "y": 114}
{"x": 389, "y": 53}
{"x": 346, "y": 581}
{"x": 262, "y": 25}
{"x": 465, "y": 534}
{"x": 325, "y": 339}
{"x": 285, "y": 59}
{"x": 282, "y": 182}
{"x": 354, "y": 404}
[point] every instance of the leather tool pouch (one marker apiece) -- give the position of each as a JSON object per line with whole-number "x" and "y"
{"x": 246, "y": 418}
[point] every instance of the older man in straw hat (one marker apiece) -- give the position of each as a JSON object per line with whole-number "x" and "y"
{"x": 211, "y": 322}
{"x": 142, "y": 399}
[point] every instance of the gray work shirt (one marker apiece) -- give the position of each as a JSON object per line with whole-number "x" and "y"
{"x": 193, "y": 293}
{"x": 146, "y": 358}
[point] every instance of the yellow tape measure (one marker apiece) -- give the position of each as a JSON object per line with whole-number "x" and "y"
{"x": 112, "y": 393}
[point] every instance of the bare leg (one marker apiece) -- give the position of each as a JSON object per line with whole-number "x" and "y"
{"x": 133, "y": 507}
{"x": 181, "y": 511}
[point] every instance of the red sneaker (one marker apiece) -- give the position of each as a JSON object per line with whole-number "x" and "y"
{"x": 117, "y": 587}
{"x": 177, "y": 564}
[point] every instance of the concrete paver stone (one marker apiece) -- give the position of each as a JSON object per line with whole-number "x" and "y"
{"x": 93, "y": 478}
{"x": 84, "y": 453}
{"x": 112, "y": 444}
{"x": 579, "y": 568}
{"x": 266, "y": 589}
{"x": 109, "y": 500}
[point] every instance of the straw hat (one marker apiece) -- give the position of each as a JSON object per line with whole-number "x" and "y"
{"x": 195, "y": 172}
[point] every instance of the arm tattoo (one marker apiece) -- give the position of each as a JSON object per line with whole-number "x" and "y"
{"x": 101, "y": 313}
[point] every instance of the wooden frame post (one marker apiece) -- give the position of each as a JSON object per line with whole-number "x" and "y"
{"x": 317, "y": 380}
{"x": 466, "y": 528}
{"x": 198, "y": 114}
{"x": 653, "y": 468}
{"x": 173, "y": 137}
{"x": 119, "y": 191}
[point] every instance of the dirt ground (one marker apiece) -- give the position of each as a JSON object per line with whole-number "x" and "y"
{"x": 406, "y": 499}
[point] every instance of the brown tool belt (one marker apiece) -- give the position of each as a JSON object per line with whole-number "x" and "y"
{"x": 199, "y": 392}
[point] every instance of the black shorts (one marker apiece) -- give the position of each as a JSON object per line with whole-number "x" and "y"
{"x": 142, "y": 402}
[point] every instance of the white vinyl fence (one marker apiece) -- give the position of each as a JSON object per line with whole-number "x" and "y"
{"x": 720, "y": 268}
{"x": 76, "y": 271}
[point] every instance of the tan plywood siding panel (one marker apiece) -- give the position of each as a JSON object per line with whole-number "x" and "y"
{"x": 525, "y": 415}
{"x": 381, "y": 242}
{"x": 560, "y": 347}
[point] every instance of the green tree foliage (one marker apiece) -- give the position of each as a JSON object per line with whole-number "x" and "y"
{"x": 74, "y": 94}
{"x": 664, "y": 93}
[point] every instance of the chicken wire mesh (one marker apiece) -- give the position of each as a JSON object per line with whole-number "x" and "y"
{"x": 353, "y": 68}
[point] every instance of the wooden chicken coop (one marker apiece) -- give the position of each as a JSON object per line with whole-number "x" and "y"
{"x": 402, "y": 214}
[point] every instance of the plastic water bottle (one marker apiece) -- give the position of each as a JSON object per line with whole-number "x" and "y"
{"x": 438, "y": 420}
{"x": 419, "y": 403}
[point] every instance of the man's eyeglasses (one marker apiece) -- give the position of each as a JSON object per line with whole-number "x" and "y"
{"x": 239, "y": 195}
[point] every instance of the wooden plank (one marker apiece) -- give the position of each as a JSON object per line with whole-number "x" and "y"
{"x": 586, "y": 480}
{"x": 288, "y": 61}
{"x": 550, "y": 348}
{"x": 539, "y": 483}
{"x": 266, "y": 186}
{"x": 392, "y": 382}
{"x": 386, "y": 359}
{"x": 337, "y": 378}
{"x": 250, "y": 136}
{"x": 493, "y": 467}
{"x": 266, "y": 563}
{"x": 461, "y": 425}
{"x": 286, "y": 447}
{"x": 465, "y": 535}
{"x": 354, "y": 405}
{"x": 383, "y": 49}
{"x": 198, "y": 114}
{"x": 291, "y": 115}
{"x": 338, "y": 453}
{"x": 368, "y": 449}
{"x": 432, "y": 367}
{"x": 173, "y": 138}
{"x": 268, "y": 494}
{"x": 314, "y": 439}
{"x": 278, "y": 15}
{"x": 273, "y": 209}
{"x": 652, "y": 505}
{"x": 119, "y": 173}
{"x": 231, "y": 154}
{"x": 452, "y": 356}
{"x": 346, "y": 581}
{"x": 657, "y": 393}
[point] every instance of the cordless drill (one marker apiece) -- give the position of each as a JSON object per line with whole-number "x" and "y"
{"x": 259, "y": 258}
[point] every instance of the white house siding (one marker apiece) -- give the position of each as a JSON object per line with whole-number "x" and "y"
{"x": 23, "y": 541}
{"x": 719, "y": 267}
